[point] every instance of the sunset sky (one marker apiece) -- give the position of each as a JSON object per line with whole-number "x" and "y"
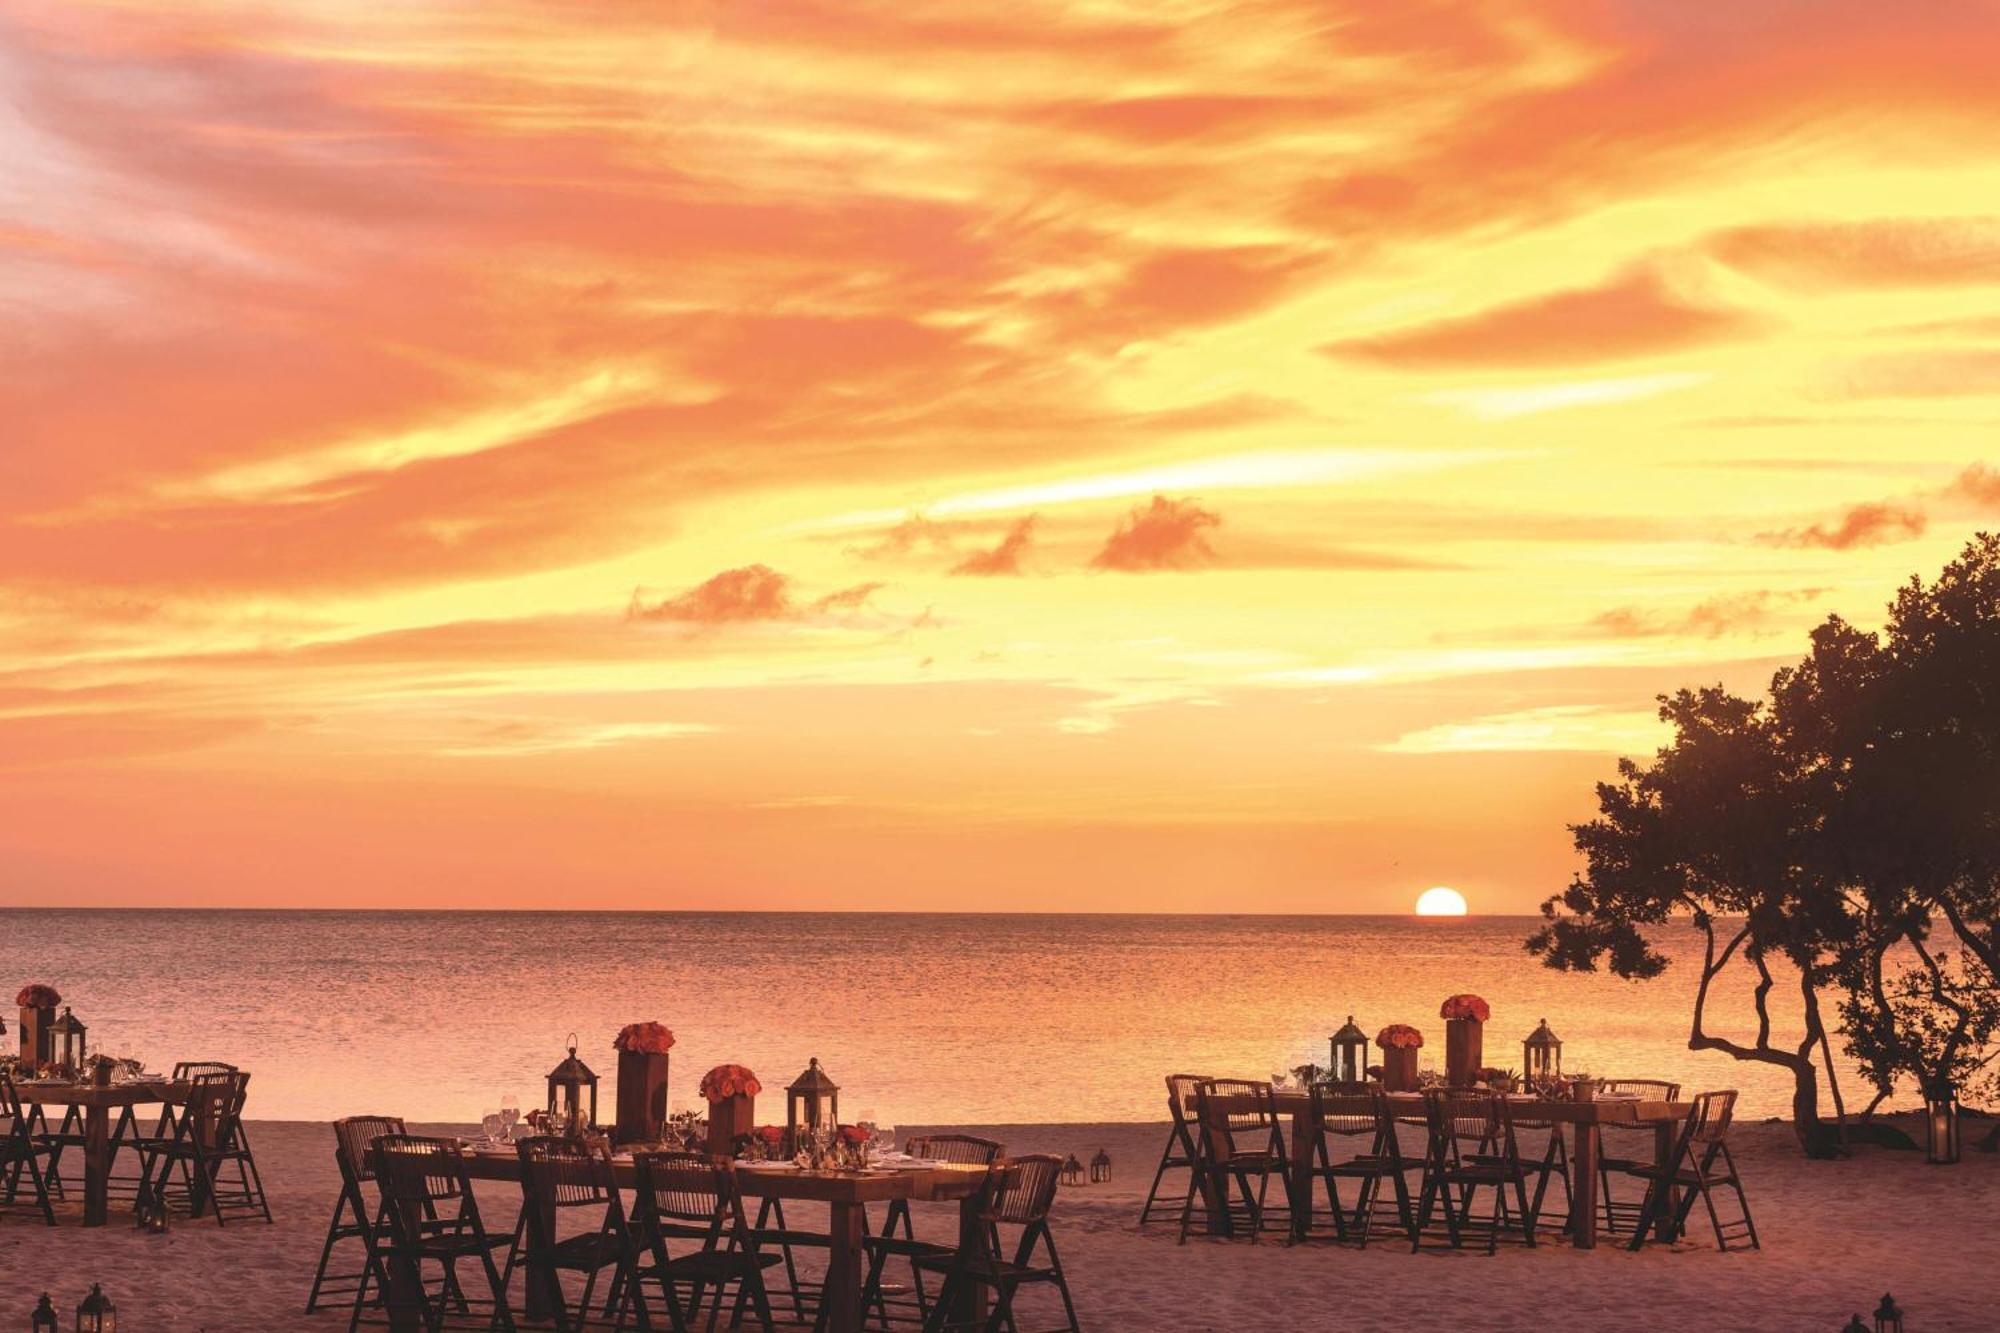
{"x": 1133, "y": 456}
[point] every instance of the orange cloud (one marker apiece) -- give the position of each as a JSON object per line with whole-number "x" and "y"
{"x": 1734, "y": 613}
{"x": 1634, "y": 315}
{"x": 1863, "y": 525}
{"x": 1979, "y": 483}
{"x": 1902, "y": 251}
{"x": 752, "y": 593}
{"x": 1004, "y": 559}
{"x": 1165, "y": 534}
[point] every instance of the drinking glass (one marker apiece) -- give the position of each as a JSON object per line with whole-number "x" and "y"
{"x": 510, "y": 1115}
{"x": 495, "y": 1126}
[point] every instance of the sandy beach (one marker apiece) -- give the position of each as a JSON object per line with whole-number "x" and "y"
{"x": 1836, "y": 1235}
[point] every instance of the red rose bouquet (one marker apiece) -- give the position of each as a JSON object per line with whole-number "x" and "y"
{"x": 37, "y": 996}
{"x": 771, "y": 1135}
{"x": 1465, "y": 1006}
{"x": 855, "y": 1135}
{"x": 645, "y": 1038}
{"x": 726, "y": 1081}
{"x": 1399, "y": 1037}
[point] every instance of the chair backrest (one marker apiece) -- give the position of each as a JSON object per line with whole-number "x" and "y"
{"x": 1463, "y": 1116}
{"x": 214, "y": 1108}
{"x": 10, "y": 1101}
{"x": 565, "y": 1173}
{"x": 1658, "y": 1089}
{"x": 186, "y": 1070}
{"x": 683, "y": 1187}
{"x": 414, "y": 1170}
{"x": 1709, "y": 1121}
{"x": 961, "y": 1149}
{"x": 1251, "y": 1105}
{"x": 1180, "y": 1095}
{"x": 1344, "y": 1112}
{"x": 352, "y": 1138}
{"x": 1026, "y": 1200}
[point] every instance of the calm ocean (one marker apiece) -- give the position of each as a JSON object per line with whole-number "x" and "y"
{"x": 920, "y": 1018}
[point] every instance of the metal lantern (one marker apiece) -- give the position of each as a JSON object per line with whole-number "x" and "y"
{"x": 1541, "y": 1055}
{"x": 44, "y": 1320}
{"x": 95, "y": 1313}
{"x": 1348, "y": 1063}
{"x": 1888, "y": 1317}
{"x": 66, "y": 1040}
{"x": 1940, "y": 1124}
{"x": 566, "y": 1084}
{"x": 1100, "y": 1167}
{"x": 1854, "y": 1325}
{"x": 812, "y": 1102}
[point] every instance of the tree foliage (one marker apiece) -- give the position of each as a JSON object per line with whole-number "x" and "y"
{"x": 1849, "y": 826}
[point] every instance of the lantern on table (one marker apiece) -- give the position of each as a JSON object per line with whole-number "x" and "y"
{"x": 1400, "y": 1043}
{"x": 1940, "y": 1123}
{"x": 38, "y": 1019}
{"x": 642, "y": 1082}
{"x": 95, "y": 1313}
{"x": 566, "y": 1084}
{"x": 1347, "y": 1063}
{"x": 731, "y": 1093}
{"x": 811, "y": 1103}
{"x": 44, "y": 1319}
{"x": 1541, "y": 1056}
{"x": 66, "y": 1036}
{"x": 1888, "y": 1316}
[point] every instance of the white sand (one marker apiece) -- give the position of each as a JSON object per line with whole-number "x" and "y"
{"x": 1836, "y": 1235}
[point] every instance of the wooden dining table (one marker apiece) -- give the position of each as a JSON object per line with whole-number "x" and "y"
{"x": 847, "y": 1195}
{"x": 98, "y": 1102}
{"x": 1584, "y": 1119}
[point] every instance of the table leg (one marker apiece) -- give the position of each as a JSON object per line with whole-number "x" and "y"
{"x": 1304, "y": 1128}
{"x": 544, "y": 1289}
{"x": 404, "y": 1299}
{"x": 971, "y": 1302}
{"x": 1215, "y": 1188}
{"x": 1664, "y": 1134}
{"x": 96, "y": 1164}
{"x": 843, "y": 1268}
{"x": 1583, "y": 1187}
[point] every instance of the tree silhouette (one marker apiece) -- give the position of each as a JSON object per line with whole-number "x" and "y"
{"x": 1849, "y": 827}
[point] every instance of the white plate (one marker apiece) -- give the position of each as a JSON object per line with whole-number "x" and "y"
{"x": 767, "y": 1166}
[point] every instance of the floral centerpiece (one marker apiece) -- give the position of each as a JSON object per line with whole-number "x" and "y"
{"x": 644, "y": 1038}
{"x": 729, "y": 1081}
{"x": 642, "y": 1082}
{"x": 731, "y": 1092}
{"x": 38, "y": 1018}
{"x": 1465, "y": 1006}
{"x": 1400, "y": 1043}
{"x": 1464, "y": 1042}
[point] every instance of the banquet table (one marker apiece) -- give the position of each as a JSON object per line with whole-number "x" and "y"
{"x": 1585, "y": 1120}
{"x": 846, "y": 1193}
{"x": 98, "y": 1102}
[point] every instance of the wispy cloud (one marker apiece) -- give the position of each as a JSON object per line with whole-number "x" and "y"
{"x": 1163, "y": 535}
{"x": 1006, "y": 558}
{"x": 1870, "y": 524}
{"x": 1500, "y": 402}
{"x": 1578, "y": 727}
{"x": 737, "y": 596}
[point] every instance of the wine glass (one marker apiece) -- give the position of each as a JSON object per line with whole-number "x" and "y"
{"x": 510, "y": 1115}
{"x": 495, "y": 1126}
{"x": 1280, "y": 1081}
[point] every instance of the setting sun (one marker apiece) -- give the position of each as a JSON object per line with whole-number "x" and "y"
{"x": 1441, "y": 901}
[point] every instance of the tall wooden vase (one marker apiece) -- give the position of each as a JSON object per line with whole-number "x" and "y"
{"x": 642, "y": 1097}
{"x": 1399, "y": 1069}
{"x": 729, "y": 1120}
{"x": 38, "y": 1037}
{"x": 1464, "y": 1053}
